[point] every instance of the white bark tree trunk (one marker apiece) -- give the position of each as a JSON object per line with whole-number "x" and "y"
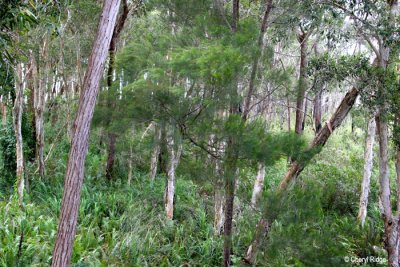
{"x": 17, "y": 121}
{"x": 174, "y": 157}
{"x": 75, "y": 169}
{"x": 368, "y": 164}
{"x": 391, "y": 239}
{"x": 258, "y": 184}
{"x": 39, "y": 102}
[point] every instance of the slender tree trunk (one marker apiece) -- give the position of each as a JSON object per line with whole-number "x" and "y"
{"x": 288, "y": 113}
{"x": 17, "y": 121}
{"x": 39, "y": 108}
{"x": 230, "y": 181}
{"x": 258, "y": 184}
{"x": 232, "y": 156}
{"x": 264, "y": 26}
{"x": 175, "y": 154}
{"x": 318, "y": 111}
{"x": 112, "y": 139}
{"x": 398, "y": 178}
{"x": 75, "y": 168}
{"x": 262, "y": 230}
{"x": 3, "y": 107}
{"x": 32, "y": 85}
{"x": 368, "y": 164}
{"x": 302, "y": 38}
{"x": 155, "y": 153}
{"x": 130, "y": 164}
{"x": 391, "y": 239}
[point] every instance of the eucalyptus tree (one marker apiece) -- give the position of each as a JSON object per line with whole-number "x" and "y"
{"x": 79, "y": 145}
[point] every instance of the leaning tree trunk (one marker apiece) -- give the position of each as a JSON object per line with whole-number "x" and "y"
{"x": 169, "y": 194}
{"x": 79, "y": 145}
{"x": 296, "y": 166}
{"x": 17, "y": 121}
{"x": 258, "y": 184}
{"x": 368, "y": 163}
{"x": 337, "y": 118}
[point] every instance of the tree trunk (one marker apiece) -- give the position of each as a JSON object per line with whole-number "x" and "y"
{"x": 264, "y": 26}
{"x": 262, "y": 230}
{"x": 79, "y": 145}
{"x": 302, "y": 38}
{"x": 175, "y": 154}
{"x": 155, "y": 153}
{"x": 391, "y": 239}
{"x": 39, "y": 109}
{"x": 230, "y": 181}
{"x": 17, "y": 121}
{"x": 323, "y": 136}
{"x": 32, "y": 85}
{"x": 130, "y": 164}
{"x": 112, "y": 140}
{"x": 3, "y": 107}
{"x": 230, "y": 171}
{"x": 319, "y": 141}
{"x": 368, "y": 164}
{"x": 219, "y": 217}
{"x": 258, "y": 184}
{"x": 318, "y": 111}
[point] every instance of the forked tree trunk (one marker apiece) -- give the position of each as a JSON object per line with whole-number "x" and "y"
{"x": 17, "y": 121}
{"x": 155, "y": 153}
{"x": 174, "y": 157}
{"x": 368, "y": 164}
{"x": 39, "y": 109}
{"x": 258, "y": 184}
{"x": 79, "y": 145}
{"x": 296, "y": 166}
{"x": 391, "y": 238}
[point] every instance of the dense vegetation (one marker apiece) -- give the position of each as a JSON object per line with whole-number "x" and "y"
{"x": 225, "y": 133}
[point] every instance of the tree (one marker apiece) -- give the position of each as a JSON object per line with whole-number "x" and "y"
{"x": 79, "y": 145}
